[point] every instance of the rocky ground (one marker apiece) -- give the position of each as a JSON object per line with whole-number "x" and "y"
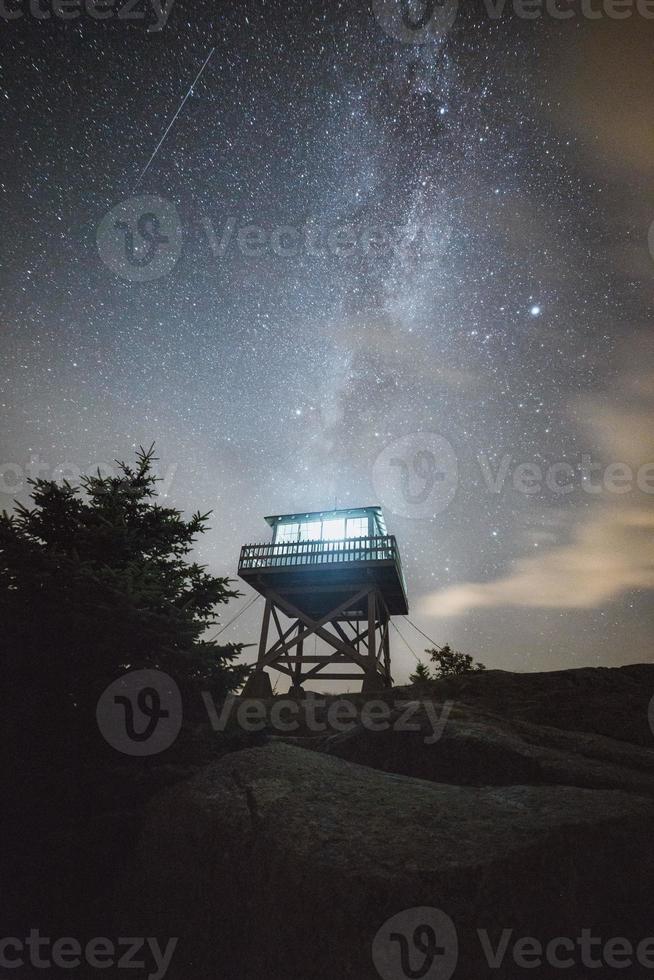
{"x": 526, "y": 812}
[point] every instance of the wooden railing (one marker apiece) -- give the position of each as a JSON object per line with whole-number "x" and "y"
{"x": 381, "y": 548}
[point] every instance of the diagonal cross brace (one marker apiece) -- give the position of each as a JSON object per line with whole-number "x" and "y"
{"x": 315, "y": 626}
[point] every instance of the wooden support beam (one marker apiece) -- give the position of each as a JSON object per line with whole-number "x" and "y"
{"x": 372, "y": 633}
{"x": 328, "y": 617}
{"x": 341, "y": 632}
{"x": 387, "y": 652}
{"x": 279, "y": 644}
{"x": 337, "y": 677}
{"x": 318, "y": 589}
{"x": 297, "y": 675}
{"x": 282, "y": 635}
{"x": 326, "y": 658}
{"x": 265, "y": 623}
{"x": 356, "y": 631}
{"x": 316, "y": 626}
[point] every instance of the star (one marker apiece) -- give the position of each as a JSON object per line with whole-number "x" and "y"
{"x": 376, "y": 241}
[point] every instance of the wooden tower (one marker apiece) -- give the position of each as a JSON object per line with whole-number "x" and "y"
{"x": 336, "y": 575}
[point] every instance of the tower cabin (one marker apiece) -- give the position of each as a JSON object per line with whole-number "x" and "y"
{"x": 337, "y": 576}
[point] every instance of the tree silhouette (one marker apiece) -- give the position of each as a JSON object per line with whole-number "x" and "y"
{"x": 95, "y": 580}
{"x": 421, "y": 674}
{"x": 450, "y": 663}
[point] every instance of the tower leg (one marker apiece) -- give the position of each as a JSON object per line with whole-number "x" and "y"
{"x": 387, "y": 649}
{"x": 296, "y": 683}
{"x": 258, "y": 684}
{"x": 368, "y": 650}
{"x": 372, "y": 680}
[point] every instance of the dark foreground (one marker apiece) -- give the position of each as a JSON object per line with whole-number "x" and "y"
{"x": 500, "y": 828}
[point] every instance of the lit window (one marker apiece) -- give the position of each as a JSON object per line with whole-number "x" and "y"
{"x": 310, "y": 531}
{"x": 287, "y": 532}
{"x": 357, "y": 527}
{"x": 333, "y": 530}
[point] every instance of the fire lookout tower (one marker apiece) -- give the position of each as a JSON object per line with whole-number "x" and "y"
{"x": 337, "y": 576}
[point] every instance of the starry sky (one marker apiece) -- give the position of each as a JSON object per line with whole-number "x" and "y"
{"x": 374, "y": 248}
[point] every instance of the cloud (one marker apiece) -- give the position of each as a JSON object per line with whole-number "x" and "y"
{"x": 610, "y": 549}
{"x": 605, "y": 82}
{"x": 607, "y": 556}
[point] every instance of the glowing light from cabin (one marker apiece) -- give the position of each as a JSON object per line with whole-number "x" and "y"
{"x": 328, "y": 529}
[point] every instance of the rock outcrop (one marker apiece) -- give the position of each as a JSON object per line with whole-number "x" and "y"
{"x": 278, "y": 862}
{"x": 477, "y": 749}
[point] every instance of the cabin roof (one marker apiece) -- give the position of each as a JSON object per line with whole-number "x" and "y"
{"x": 322, "y": 514}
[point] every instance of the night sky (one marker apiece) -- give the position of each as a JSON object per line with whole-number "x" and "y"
{"x": 459, "y": 255}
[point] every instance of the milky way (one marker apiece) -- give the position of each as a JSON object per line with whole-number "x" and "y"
{"x": 376, "y": 241}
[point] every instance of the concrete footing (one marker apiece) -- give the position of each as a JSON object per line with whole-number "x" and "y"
{"x": 258, "y": 685}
